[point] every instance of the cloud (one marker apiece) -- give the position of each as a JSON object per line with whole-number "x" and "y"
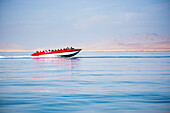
{"x": 90, "y": 22}
{"x": 130, "y": 16}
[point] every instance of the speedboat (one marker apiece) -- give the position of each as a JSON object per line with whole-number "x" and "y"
{"x": 57, "y": 53}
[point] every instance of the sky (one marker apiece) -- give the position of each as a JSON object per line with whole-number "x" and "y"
{"x": 46, "y": 23}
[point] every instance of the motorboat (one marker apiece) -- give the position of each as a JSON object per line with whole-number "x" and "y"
{"x": 68, "y": 52}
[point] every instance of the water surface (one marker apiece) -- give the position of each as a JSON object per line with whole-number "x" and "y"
{"x": 91, "y": 82}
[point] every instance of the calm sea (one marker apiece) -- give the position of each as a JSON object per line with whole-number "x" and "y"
{"x": 91, "y": 82}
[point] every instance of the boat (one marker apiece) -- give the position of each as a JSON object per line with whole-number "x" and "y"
{"x": 68, "y": 52}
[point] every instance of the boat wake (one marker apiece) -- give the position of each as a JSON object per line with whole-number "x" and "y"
{"x": 16, "y": 57}
{"x": 25, "y": 57}
{"x": 48, "y": 57}
{"x": 35, "y": 57}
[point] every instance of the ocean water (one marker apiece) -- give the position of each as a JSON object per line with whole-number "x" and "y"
{"x": 90, "y": 82}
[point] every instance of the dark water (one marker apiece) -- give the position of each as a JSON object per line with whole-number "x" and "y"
{"x": 91, "y": 82}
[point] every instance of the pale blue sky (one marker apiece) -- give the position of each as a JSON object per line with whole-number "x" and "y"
{"x": 43, "y": 23}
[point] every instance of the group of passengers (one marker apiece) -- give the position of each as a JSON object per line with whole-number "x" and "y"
{"x": 67, "y": 48}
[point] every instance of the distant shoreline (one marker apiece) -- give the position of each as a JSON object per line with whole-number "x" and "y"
{"x": 19, "y": 50}
{"x": 132, "y": 50}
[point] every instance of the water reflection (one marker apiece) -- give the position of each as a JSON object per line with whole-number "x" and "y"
{"x": 54, "y": 71}
{"x": 57, "y": 63}
{"x": 55, "y": 90}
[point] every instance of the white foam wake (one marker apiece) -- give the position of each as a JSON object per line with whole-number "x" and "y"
{"x": 26, "y": 57}
{"x": 15, "y": 57}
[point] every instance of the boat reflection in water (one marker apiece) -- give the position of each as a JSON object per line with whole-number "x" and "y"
{"x": 56, "y": 74}
{"x": 57, "y": 63}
